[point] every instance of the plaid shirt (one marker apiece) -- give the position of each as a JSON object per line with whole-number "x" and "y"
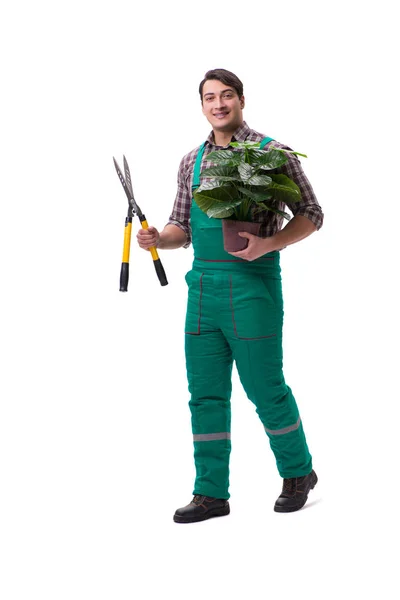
{"x": 271, "y": 222}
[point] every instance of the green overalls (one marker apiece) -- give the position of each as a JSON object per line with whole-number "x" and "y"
{"x": 235, "y": 313}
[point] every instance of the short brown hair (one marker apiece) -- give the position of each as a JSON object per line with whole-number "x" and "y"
{"x": 225, "y": 77}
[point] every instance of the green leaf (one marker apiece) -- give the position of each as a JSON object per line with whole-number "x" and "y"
{"x": 222, "y": 210}
{"x": 284, "y": 193}
{"x": 222, "y": 172}
{"x": 270, "y": 159}
{"x": 284, "y": 180}
{"x": 289, "y": 151}
{"x": 284, "y": 189}
{"x": 225, "y": 157}
{"x": 245, "y": 144}
{"x": 259, "y": 180}
{"x": 245, "y": 171}
{"x": 253, "y": 154}
{"x": 283, "y": 214}
{"x": 223, "y": 214}
{"x": 259, "y": 195}
{"x": 209, "y": 198}
{"x": 214, "y": 183}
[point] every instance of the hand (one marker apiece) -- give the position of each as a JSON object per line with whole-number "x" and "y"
{"x": 148, "y": 237}
{"x": 257, "y": 247}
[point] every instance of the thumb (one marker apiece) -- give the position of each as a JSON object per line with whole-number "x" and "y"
{"x": 245, "y": 234}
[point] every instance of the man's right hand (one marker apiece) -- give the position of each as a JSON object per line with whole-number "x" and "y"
{"x": 148, "y": 237}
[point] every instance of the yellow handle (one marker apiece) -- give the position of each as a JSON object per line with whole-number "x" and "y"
{"x": 153, "y": 250}
{"x": 127, "y": 242}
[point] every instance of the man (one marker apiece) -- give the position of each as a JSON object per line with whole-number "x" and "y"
{"x": 235, "y": 313}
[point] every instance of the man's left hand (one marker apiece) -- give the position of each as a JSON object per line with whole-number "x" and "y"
{"x": 257, "y": 247}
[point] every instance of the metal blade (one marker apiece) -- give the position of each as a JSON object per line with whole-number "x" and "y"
{"x": 122, "y": 180}
{"x": 132, "y": 204}
{"x": 129, "y": 184}
{"x": 128, "y": 176}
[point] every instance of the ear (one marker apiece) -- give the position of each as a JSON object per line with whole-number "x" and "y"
{"x": 242, "y": 102}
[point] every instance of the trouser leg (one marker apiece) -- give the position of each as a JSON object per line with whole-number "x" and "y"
{"x": 209, "y": 369}
{"x": 264, "y": 383}
{"x": 256, "y": 342}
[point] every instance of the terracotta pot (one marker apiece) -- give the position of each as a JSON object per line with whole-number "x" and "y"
{"x": 232, "y": 241}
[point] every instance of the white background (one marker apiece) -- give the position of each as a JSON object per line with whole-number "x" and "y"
{"x": 96, "y": 447}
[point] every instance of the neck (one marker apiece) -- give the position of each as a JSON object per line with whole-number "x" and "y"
{"x": 222, "y": 138}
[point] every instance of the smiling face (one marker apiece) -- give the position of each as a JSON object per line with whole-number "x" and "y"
{"x": 222, "y": 106}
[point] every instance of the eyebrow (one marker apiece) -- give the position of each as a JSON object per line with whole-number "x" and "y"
{"x": 221, "y": 92}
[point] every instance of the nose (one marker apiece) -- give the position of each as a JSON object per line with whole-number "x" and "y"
{"x": 219, "y": 102}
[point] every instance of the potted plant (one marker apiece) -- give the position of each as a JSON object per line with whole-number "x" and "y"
{"x": 241, "y": 184}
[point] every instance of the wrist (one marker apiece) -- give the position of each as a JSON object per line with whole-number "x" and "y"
{"x": 271, "y": 244}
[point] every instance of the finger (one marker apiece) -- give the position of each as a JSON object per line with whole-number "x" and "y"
{"x": 143, "y": 236}
{"x": 146, "y": 242}
{"x": 152, "y": 230}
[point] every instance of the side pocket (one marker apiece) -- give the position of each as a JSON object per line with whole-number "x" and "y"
{"x": 194, "y": 280}
{"x": 252, "y": 307}
{"x": 273, "y": 287}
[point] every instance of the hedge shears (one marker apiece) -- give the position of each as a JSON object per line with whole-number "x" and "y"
{"x": 132, "y": 210}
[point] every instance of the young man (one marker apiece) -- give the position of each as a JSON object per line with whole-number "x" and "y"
{"x": 235, "y": 313}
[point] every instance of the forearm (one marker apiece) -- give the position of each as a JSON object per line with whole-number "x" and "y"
{"x": 171, "y": 237}
{"x": 297, "y": 229}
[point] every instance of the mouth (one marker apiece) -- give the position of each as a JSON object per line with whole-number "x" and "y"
{"x": 221, "y": 115}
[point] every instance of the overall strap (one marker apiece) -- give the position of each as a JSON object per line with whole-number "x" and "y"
{"x": 265, "y": 141}
{"x": 197, "y": 167}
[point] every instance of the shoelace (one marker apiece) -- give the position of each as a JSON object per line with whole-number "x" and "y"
{"x": 289, "y": 485}
{"x": 198, "y": 499}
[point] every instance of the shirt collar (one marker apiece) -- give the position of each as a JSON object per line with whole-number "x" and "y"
{"x": 240, "y": 135}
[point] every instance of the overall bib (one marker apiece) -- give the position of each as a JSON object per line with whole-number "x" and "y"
{"x": 235, "y": 313}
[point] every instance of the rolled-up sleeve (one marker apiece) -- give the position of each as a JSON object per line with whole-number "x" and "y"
{"x": 308, "y": 206}
{"x": 180, "y": 215}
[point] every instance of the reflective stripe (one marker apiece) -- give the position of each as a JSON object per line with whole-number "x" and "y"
{"x": 207, "y": 437}
{"x": 284, "y": 430}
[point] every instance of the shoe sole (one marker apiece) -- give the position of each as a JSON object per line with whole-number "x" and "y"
{"x": 218, "y": 512}
{"x": 283, "y": 509}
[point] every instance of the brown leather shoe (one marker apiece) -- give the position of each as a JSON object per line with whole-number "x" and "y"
{"x": 202, "y": 508}
{"x": 295, "y": 492}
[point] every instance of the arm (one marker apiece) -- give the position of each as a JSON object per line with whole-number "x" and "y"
{"x": 297, "y": 229}
{"x": 308, "y": 205}
{"x": 170, "y": 238}
{"x": 177, "y": 232}
{"x": 308, "y": 217}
